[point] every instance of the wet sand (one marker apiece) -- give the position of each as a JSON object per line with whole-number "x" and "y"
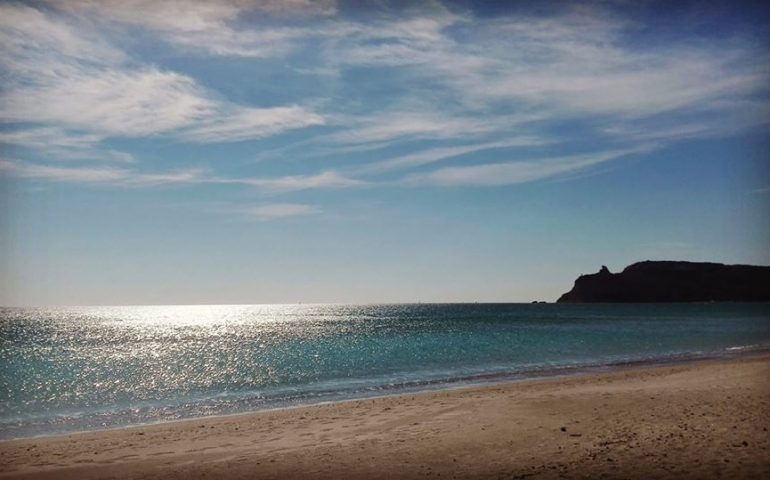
{"x": 705, "y": 419}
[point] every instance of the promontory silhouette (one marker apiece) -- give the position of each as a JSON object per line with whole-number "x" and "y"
{"x": 668, "y": 281}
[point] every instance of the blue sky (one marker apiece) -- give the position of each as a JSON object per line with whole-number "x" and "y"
{"x": 293, "y": 151}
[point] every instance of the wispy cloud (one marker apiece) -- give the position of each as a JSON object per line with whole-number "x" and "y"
{"x": 193, "y": 15}
{"x": 202, "y": 26}
{"x": 719, "y": 119}
{"x": 249, "y": 123}
{"x": 437, "y": 154}
{"x": 328, "y": 180}
{"x": 61, "y": 144}
{"x": 280, "y": 210}
{"x": 70, "y": 78}
{"x": 101, "y": 175}
{"x": 574, "y": 62}
{"x": 385, "y": 127}
{"x": 110, "y": 102}
{"x": 34, "y": 42}
{"x": 510, "y": 173}
{"x": 127, "y": 177}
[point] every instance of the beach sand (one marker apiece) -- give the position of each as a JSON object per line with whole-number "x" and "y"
{"x": 706, "y": 419}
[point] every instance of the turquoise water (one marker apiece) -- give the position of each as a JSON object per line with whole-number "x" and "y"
{"x": 69, "y": 369}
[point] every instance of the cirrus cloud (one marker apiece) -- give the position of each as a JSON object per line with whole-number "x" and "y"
{"x": 63, "y": 76}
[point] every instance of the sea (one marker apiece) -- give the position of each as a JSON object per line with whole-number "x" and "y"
{"x": 73, "y": 369}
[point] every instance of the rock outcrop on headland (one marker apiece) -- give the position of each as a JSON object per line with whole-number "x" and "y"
{"x": 667, "y": 281}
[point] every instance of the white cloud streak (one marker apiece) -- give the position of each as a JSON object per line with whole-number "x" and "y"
{"x": 328, "y": 180}
{"x": 248, "y": 123}
{"x": 60, "y": 144}
{"x": 209, "y": 26}
{"x": 433, "y": 155}
{"x": 110, "y": 102}
{"x": 36, "y": 43}
{"x": 100, "y": 175}
{"x": 126, "y": 177}
{"x": 572, "y": 63}
{"x": 280, "y": 210}
{"x": 69, "y": 77}
{"x": 384, "y": 128}
{"x": 511, "y": 173}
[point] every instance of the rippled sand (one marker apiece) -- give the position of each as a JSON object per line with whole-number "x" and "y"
{"x": 708, "y": 419}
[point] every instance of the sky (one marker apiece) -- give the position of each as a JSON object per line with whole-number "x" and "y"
{"x": 282, "y": 151}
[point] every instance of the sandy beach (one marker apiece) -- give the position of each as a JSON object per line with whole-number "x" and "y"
{"x": 706, "y": 419}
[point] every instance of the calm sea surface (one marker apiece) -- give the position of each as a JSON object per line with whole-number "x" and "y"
{"x": 70, "y": 369}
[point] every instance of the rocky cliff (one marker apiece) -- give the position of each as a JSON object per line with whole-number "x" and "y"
{"x": 673, "y": 282}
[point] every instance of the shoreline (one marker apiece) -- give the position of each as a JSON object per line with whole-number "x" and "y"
{"x": 499, "y": 423}
{"x": 455, "y": 384}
